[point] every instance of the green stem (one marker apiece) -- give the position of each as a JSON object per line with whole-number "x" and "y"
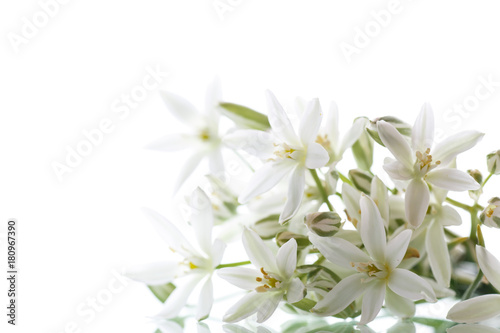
{"x": 459, "y": 204}
{"x": 473, "y": 225}
{"x": 234, "y": 264}
{"x": 321, "y": 189}
{"x": 472, "y": 288}
{"x": 486, "y": 180}
{"x": 344, "y": 178}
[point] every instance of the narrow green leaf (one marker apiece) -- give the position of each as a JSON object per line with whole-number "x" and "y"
{"x": 245, "y": 117}
{"x": 162, "y": 292}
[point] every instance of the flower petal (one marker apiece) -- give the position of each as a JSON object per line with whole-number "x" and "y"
{"x": 489, "y": 265}
{"x": 295, "y": 291}
{"x": 475, "y": 309}
{"x": 450, "y": 147}
{"x": 372, "y": 301}
{"x": 216, "y": 163}
{"x": 172, "y": 142}
{"x": 265, "y": 179}
{"x": 317, "y": 156}
{"x": 218, "y": 249}
{"x": 437, "y": 252}
{"x": 338, "y": 250}
{"x": 181, "y": 108}
{"x": 332, "y": 124}
{"x": 422, "y": 134}
{"x": 397, "y": 247}
{"x": 205, "y": 300}
{"x": 400, "y": 306}
{"x": 416, "y": 202}
{"x": 351, "y": 197}
{"x": 254, "y": 142}
{"x": 296, "y": 186}
{"x": 379, "y": 194}
{"x": 267, "y": 308}
{"x": 343, "y": 294}
{"x": 397, "y": 170}
{"x": 188, "y": 168}
{"x": 372, "y": 229}
{"x": 279, "y": 121}
{"x": 396, "y": 143}
{"x": 449, "y": 216}
{"x": 472, "y": 329}
{"x": 286, "y": 259}
{"x": 245, "y": 307}
{"x": 153, "y": 274}
{"x": 452, "y": 179}
{"x": 178, "y": 298}
{"x": 409, "y": 285}
{"x": 170, "y": 233}
{"x": 352, "y": 135}
{"x": 310, "y": 122}
{"x": 260, "y": 255}
{"x": 202, "y": 219}
{"x": 241, "y": 277}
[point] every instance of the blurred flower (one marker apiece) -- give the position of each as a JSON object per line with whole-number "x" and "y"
{"x": 417, "y": 165}
{"x": 196, "y": 266}
{"x": 269, "y": 283}
{"x": 472, "y": 329}
{"x": 377, "y": 274}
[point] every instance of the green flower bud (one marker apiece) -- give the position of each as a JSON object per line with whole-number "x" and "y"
{"x": 323, "y": 224}
{"x": 401, "y": 126}
{"x": 268, "y": 227}
{"x": 493, "y": 161}
{"x": 362, "y": 180}
{"x": 285, "y": 236}
{"x": 362, "y": 151}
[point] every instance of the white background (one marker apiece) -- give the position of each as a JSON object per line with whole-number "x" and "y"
{"x": 65, "y": 78}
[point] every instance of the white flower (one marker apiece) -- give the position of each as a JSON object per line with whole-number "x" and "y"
{"x": 204, "y": 139}
{"x": 196, "y": 264}
{"x": 269, "y": 283}
{"x": 472, "y": 329}
{"x": 481, "y": 307}
{"x": 377, "y": 274}
{"x": 293, "y": 154}
{"x": 417, "y": 165}
{"x": 491, "y": 214}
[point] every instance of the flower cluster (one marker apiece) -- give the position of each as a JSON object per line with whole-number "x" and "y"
{"x": 318, "y": 240}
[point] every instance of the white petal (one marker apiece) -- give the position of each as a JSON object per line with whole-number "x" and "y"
{"x": 475, "y": 309}
{"x": 205, "y": 300}
{"x": 169, "y": 233}
{"x": 242, "y": 277}
{"x": 218, "y": 249}
{"x": 489, "y": 265}
{"x": 267, "y": 308}
{"x": 422, "y": 134}
{"x": 332, "y": 124}
{"x": 449, "y": 216}
{"x": 216, "y": 163}
{"x": 265, "y": 179}
{"x": 372, "y": 301}
{"x": 172, "y": 142}
{"x": 400, "y": 306}
{"x": 188, "y": 168}
{"x": 254, "y": 142}
{"x": 437, "y": 252}
{"x": 167, "y": 326}
{"x": 286, "y": 259}
{"x": 397, "y": 247}
{"x": 178, "y": 298}
{"x": 260, "y": 255}
{"x": 450, "y": 147}
{"x": 338, "y": 250}
{"x": 352, "y": 135}
{"x": 296, "y": 186}
{"x": 310, "y": 122}
{"x": 295, "y": 291}
{"x": 472, "y": 329}
{"x": 213, "y": 97}
{"x": 279, "y": 121}
{"x": 379, "y": 194}
{"x": 245, "y": 307}
{"x": 181, "y": 108}
{"x": 416, "y": 201}
{"x": 343, "y": 294}
{"x": 351, "y": 197}
{"x": 398, "y": 171}
{"x": 409, "y": 285}
{"x": 317, "y": 156}
{"x": 396, "y": 143}
{"x": 202, "y": 219}
{"x": 452, "y": 179}
{"x": 403, "y": 327}
{"x": 153, "y": 274}
{"x": 372, "y": 229}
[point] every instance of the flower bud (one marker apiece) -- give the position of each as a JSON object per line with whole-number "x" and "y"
{"x": 323, "y": 224}
{"x": 268, "y": 227}
{"x": 493, "y": 161}
{"x": 491, "y": 214}
{"x": 476, "y": 174}
{"x": 285, "y": 236}
{"x": 401, "y": 127}
{"x": 362, "y": 151}
{"x": 362, "y": 180}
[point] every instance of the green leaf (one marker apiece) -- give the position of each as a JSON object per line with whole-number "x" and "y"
{"x": 162, "y": 292}
{"x": 305, "y": 304}
{"x": 245, "y": 117}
